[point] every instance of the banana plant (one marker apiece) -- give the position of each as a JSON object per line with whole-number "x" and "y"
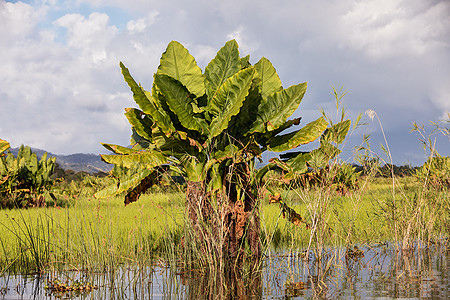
{"x": 212, "y": 127}
{"x": 24, "y": 178}
{"x": 4, "y": 145}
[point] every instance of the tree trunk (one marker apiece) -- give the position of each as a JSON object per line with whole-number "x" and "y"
{"x": 229, "y": 225}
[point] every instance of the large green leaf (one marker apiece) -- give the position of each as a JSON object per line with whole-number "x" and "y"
{"x": 230, "y": 151}
{"x": 143, "y": 99}
{"x": 132, "y": 181}
{"x": 194, "y": 168}
{"x": 125, "y": 184}
{"x": 286, "y": 125}
{"x": 226, "y": 63}
{"x": 322, "y": 155}
{"x": 109, "y": 191}
{"x": 178, "y": 99}
{"x": 260, "y": 173}
{"x": 336, "y": 133}
{"x": 147, "y": 159}
{"x": 140, "y": 122}
{"x": 298, "y": 163}
{"x": 178, "y": 63}
{"x": 174, "y": 145}
{"x": 293, "y": 167}
{"x": 118, "y": 149}
{"x": 270, "y": 82}
{"x": 306, "y": 134}
{"x": 228, "y": 100}
{"x": 4, "y": 145}
{"x": 274, "y": 112}
{"x": 245, "y": 62}
{"x": 247, "y": 115}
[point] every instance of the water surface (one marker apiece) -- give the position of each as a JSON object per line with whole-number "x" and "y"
{"x": 368, "y": 272}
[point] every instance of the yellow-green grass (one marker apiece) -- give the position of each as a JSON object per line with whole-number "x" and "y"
{"x": 92, "y": 233}
{"x": 373, "y": 214}
{"x": 97, "y": 234}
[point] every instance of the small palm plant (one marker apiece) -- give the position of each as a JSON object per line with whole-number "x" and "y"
{"x": 211, "y": 127}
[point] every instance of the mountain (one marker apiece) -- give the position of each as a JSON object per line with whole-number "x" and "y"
{"x": 90, "y": 163}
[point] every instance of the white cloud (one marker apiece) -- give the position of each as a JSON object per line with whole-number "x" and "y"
{"x": 18, "y": 20}
{"x": 141, "y": 24}
{"x": 383, "y": 28}
{"x": 92, "y": 35}
{"x": 61, "y": 83}
{"x": 245, "y": 45}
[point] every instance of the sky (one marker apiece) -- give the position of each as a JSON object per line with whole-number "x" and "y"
{"x": 61, "y": 88}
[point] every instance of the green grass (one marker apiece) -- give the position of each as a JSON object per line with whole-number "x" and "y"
{"x": 99, "y": 234}
{"x": 92, "y": 234}
{"x": 365, "y": 216}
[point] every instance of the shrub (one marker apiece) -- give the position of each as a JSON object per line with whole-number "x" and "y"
{"x": 24, "y": 179}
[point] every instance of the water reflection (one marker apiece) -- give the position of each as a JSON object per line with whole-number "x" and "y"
{"x": 239, "y": 282}
{"x": 378, "y": 272}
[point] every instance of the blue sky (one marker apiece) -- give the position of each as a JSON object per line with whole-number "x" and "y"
{"x": 61, "y": 89}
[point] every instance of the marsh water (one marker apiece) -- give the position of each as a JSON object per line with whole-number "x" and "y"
{"x": 367, "y": 272}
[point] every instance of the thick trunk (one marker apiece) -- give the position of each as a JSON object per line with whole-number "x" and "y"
{"x": 229, "y": 224}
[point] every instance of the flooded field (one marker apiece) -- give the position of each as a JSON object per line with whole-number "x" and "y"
{"x": 367, "y": 272}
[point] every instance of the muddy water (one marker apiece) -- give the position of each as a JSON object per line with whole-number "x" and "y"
{"x": 368, "y": 272}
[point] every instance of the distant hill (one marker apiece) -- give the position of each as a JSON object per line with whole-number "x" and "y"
{"x": 90, "y": 163}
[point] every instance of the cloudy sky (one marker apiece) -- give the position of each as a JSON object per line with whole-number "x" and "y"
{"x": 61, "y": 88}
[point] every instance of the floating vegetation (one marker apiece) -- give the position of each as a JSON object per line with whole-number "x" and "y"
{"x": 58, "y": 288}
{"x": 354, "y": 253}
{"x": 295, "y": 289}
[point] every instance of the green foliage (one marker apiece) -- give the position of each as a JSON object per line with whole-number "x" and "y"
{"x": 341, "y": 177}
{"x": 24, "y": 179}
{"x": 435, "y": 172}
{"x": 4, "y": 145}
{"x": 319, "y": 167}
{"x": 206, "y": 125}
{"x": 345, "y": 178}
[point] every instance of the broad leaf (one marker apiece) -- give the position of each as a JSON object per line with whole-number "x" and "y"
{"x": 228, "y": 100}
{"x": 270, "y": 82}
{"x": 226, "y": 63}
{"x": 194, "y": 168}
{"x": 148, "y": 159}
{"x": 298, "y": 163}
{"x": 139, "y": 143}
{"x": 322, "y": 155}
{"x": 125, "y": 184}
{"x": 336, "y": 133}
{"x": 134, "y": 180}
{"x": 263, "y": 171}
{"x": 178, "y": 99}
{"x": 140, "y": 122}
{"x": 274, "y": 112}
{"x": 247, "y": 114}
{"x": 245, "y": 62}
{"x": 4, "y": 145}
{"x": 178, "y": 63}
{"x": 306, "y": 134}
{"x": 173, "y": 145}
{"x": 118, "y": 149}
{"x": 142, "y": 98}
{"x": 286, "y": 125}
{"x": 230, "y": 151}
{"x": 264, "y": 138}
{"x": 109, "y": 191}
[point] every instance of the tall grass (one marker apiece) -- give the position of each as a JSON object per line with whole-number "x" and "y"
{"x": 96, "y": 234}
{"x": 92, "y": 234}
